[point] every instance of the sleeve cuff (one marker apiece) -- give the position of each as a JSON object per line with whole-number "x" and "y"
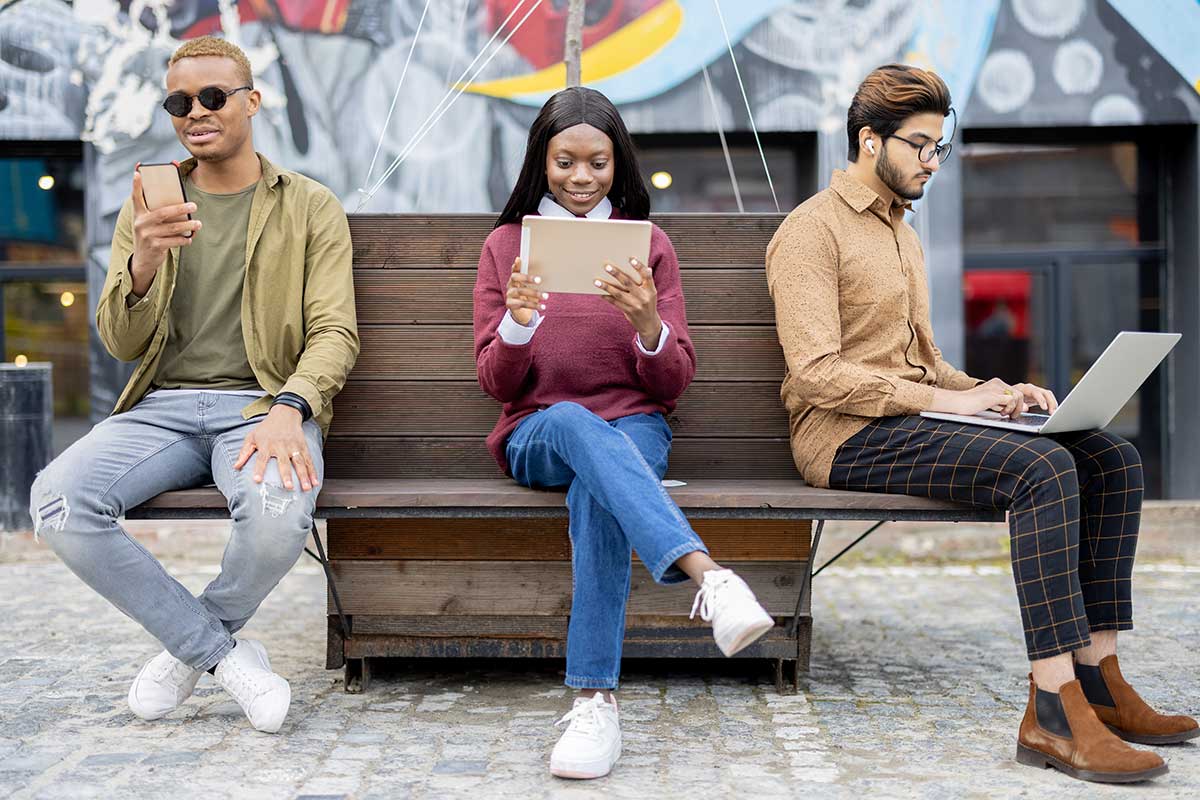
{"x": 132, "y": 301}
{"x": 514, "y": 333}
{"x": 662, "y": 341}
{"x": 912, "y": 397}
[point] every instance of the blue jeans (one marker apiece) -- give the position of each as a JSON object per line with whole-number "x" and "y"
{"x": 174, "y": 440}
{"x": 616, "y": 502}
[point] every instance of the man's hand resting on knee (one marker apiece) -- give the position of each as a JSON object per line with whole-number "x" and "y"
{"x": 281, "y": 437}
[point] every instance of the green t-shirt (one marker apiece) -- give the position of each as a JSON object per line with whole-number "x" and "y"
{"x": 204, "y": 347}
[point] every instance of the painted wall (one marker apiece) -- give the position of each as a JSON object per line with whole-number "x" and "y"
{"x": 328, "y": 70}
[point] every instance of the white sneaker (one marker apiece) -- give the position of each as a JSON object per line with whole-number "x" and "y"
{"x": 162, "y": 684}
{"x": 246, "y": 674}
{"x": 592, "y": 742}
{"x": 726, "y": 601}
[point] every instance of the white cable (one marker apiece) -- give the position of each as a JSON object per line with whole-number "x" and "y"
{"x": 712, "y": 99}
{"x": 458, "y": 32}
{"x": 746, "y": 100}
{"x": 448, "y": 100}
{"x": 396, "y": 96}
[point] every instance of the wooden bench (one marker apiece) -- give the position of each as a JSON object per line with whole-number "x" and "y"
{"x": 432, "y": 553}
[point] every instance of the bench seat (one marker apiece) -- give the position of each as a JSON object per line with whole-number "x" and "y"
{"x": 500, "y": 498}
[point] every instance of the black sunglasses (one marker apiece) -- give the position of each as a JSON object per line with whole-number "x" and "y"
{"x": 213, "y": 98}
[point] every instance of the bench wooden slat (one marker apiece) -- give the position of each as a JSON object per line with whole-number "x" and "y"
{"x": 526, "y": 588}
{"x": 460, "y": 408}
{"x": 443, "y": 296}
{"x": 447, "y": 352}
{"x": 467, "y": 457}
{"x": 540, "y": 540}
{"x": 383, "y": 241}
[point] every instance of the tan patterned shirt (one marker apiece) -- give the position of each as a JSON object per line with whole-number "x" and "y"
{"x": 847, "y": 275}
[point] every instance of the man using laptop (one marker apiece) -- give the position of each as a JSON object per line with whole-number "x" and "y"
{"x": 241, "y": 318}
{"x": 847, "y": 276}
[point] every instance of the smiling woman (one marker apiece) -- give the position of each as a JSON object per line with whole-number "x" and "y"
{"x": 587, "y": 381}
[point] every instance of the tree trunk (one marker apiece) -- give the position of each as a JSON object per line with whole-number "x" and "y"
{"x": 573, "y": 47}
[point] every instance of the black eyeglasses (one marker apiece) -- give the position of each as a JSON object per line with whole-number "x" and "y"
{"x": 927, "y": 150}
{"x": 213, "y": 98}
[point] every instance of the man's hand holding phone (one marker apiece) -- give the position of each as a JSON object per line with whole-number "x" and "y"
{"x": 156, "y": 231}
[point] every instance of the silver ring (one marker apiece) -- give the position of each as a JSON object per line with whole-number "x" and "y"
{"x": 296, "y": 454}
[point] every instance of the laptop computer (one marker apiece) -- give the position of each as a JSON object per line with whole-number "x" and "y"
{"x": 1104, "y": 389}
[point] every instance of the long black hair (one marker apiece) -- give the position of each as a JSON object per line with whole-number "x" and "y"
{"x": 566, "y": 109}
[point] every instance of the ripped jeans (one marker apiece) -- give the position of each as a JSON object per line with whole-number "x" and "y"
{"x": 174, "y": 440}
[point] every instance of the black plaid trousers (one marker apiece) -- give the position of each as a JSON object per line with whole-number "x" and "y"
{"x": 1074, "y": 503}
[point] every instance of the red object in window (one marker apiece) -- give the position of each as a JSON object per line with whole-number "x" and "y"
{"x": 541, "y": 39}
{"x": 998, "y": 296}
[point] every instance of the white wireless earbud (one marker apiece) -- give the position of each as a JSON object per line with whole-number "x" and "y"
{"x": 871, "y": 146}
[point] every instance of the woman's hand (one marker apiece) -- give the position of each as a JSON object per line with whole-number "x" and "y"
{"x": 522, "y": 297}
{"x": 636, "y": 298}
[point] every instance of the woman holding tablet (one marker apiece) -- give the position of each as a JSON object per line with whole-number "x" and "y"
{"x": 586, "y": 382}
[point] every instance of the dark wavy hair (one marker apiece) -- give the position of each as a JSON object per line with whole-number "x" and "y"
{"x": 888, "y": 96}
{"x": 566, "y": 109}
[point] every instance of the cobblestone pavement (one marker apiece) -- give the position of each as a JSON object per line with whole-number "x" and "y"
{"x": 916, "y": 690}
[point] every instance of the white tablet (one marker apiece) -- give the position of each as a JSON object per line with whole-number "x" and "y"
{"x": 569, "y": 254}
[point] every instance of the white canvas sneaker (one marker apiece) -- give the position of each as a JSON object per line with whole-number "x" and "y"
{"x": 246, "y": 674}
{"x": 591, "y": 744}
{"x": 726, "y": 601}
{"x": 161, "y": 685}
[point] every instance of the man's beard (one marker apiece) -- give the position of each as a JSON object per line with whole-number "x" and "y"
{"x": 892, "y": 179}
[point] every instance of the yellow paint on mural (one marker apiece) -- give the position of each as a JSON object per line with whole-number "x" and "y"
{"x": 621, "y": 51}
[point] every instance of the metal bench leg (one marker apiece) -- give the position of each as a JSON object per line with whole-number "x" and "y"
{"x": 806, "y": 581}
{"x": 850, "y": 546}
{"x": 324, "y": 562}
{"x": 358, "y": 675}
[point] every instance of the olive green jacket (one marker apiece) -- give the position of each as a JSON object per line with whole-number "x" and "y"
{"x": 298, "y": 318}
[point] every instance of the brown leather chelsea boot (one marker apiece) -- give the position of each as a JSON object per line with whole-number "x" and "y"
{"x": 1125, "y": 713}
{"x": 1061, "y": 731}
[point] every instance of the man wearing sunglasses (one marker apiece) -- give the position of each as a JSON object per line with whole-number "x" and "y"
{"x": 241, "y": 318}
{"x": 847, "y": 275}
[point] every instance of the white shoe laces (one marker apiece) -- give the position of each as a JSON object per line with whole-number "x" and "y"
{"x": 240, "y": 681}
{"x": 171, "y": 671}
{"x": 710, "y": 597}
{"x": 585, "y": 717}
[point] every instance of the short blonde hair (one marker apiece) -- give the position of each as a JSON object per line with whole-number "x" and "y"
{"x": 213, "y": 46}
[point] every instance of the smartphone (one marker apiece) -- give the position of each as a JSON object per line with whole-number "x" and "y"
{"x": 162, "y": 185}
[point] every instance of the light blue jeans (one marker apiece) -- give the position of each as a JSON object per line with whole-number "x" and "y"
{"x": 616, "y": 504}
{"x": 174, "y": 440}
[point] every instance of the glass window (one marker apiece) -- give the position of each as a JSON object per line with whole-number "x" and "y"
{"x": 43, "y": 294}
{"x": 688, "y": 173}
{"x": 1025, "y": 195}
{"x": 41, "y": 211}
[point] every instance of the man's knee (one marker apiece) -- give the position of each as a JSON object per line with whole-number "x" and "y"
{"x": 276, "y": 515}
{"x": 55, "y": 499}
{"x": 1047, "y": 467}
{"x": 1118, "y": 463}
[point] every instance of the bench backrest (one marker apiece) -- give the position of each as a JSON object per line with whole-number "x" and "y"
{"x": 413, "y": 409}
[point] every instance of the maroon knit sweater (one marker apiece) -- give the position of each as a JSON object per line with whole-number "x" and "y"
{"x": 584, "y": 350}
